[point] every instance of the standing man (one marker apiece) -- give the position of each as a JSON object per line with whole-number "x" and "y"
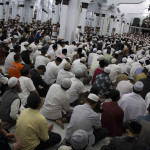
{"x": 77, "y": 34}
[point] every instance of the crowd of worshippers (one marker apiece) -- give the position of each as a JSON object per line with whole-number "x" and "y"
{"x": 44, "y": 79}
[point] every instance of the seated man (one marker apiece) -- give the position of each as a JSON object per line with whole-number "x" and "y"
{"x": 57, "y": 100}
{"x": 6, "y": 139}
{"x": 84, "y": 117}
{"x": 104, "y": 83}
{"x": 76, "y": 88}
{"x": 14, "y": 70}
{"x": 38, "y": 82}
{"x": 11, "y": 103}
{"x": 32, "y": 127}
{"x": 145, "y": 132}
{"x": 27, "y": 85}
{"x": 52, "y": 69}
{"x": 130, "y": 142}
{"x": 112, "y": 115}
{"x": 3, "y": 83}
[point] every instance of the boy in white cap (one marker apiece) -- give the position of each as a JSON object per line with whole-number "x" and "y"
{"x": 84, "y": 117}
{"x": 11, "y": 103}
{"x": 133, "y": 104}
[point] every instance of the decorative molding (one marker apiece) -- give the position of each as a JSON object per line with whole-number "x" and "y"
{"x": 112, "y": 16}
{"x": 65, "y": 2}
{"x": 31, "y": 7}
{"x": 117, "y": 20}
{"x": 103, "y": 15}
{"x": 57, "y": 2}
{"x": 7, "y": 3}
{"x": 85, "y": 5}
{"x": 21, "y": 5}
{"x": 96, "y": 14}
{"x": 1, "y": 3}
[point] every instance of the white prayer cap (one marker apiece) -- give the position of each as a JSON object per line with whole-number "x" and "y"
{"x": 80, "y": 46}
{"x": 53, "y": 41}
{"x": 95, "y": 50}
{"x": 79, "y": 139}
{"x": 9, "y": 40}
{"x": 84, "y": 44}
{"x": 99, "y": 52}
{"x": 66, "y": 83}
{"x": 83, "y": 59}
{"x": 132, "y": 55}
{"x": 5, "y": 41}
{"x": 142, "y": 61}
{"x": 78, "y": 72}
{"x": 107, "y": 70}
{"x": 67, "y": 66}
{"x": 108, "y": 42}
{"x": 140, "y": 45}
{"x": 26, "y": 43}
{"x": 138, "y": 86}
{"x": 117, "y": 52}
{"x": 139, "y": 57}
{"x": 101, "y": 57}
{"x": 64, "y": 148}
{"x": 16, "y": 37}
{"x": 79, "y": 25}
{"x": 93, "y": 97}
{"x": 113, "y": 61}
{"x": 124, "y": 59}
{"x": 39, "y": 47}
{"x": 12, "y": 82}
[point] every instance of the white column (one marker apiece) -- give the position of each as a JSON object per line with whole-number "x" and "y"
{"x": 6, "y": 11}
{"x": 83, "y": 16}
{"x": 63, "y": 19}
{"x": 111, "y": 25}
{"x": 118, "y": 27}
{"x": 1, "y": 9}
{"x": 21, "y": 10}
{"x": 122, "y": 27}
{"x": 72, "y": 19}
{"x": 14, "y": 10}
{"x": 102, "y": 23}
{"x": 55, "y": 18}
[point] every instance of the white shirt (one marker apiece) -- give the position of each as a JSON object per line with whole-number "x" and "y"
{"x": 76, "y": 88}
{"x": 133, "y": 106}
{"x": 82, "y": 66}
{"x": 56, "y": 101}
{"x": 41, "y": 60}
{"x": 83, "y": 117}
{"x": 90, "y": 59}
{"x": 123, "y": 67}
{"x": 94, "y": 66}
{"x": 8, "y": 61}
{"x": 27, "y": 86}
{"x": 62, "y": 74}
{"x": 124, "y": 87}
{"x": 52, "y": 53}
{"x": 115, "y": 70}
{"x": 135, "y": 65}
{"x": 3, "y": 80}
{"x": 77, "y": 35}
{"x": 51, "y": 73}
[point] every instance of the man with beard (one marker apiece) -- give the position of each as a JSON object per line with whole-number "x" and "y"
{"x": 10, "y": 102}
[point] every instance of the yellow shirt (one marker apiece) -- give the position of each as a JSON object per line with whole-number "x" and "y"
{"x": 137, "y": 77}
{"x": 31, "y": 128}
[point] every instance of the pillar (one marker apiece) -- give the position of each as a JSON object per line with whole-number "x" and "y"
{"x": 83, "y": 16}
{"x": 118, "y": 27}
{"x": 122, "y": 27}
{"x": 14, "y": 10}
{"x": 63, "y": 19}
{"x": 72, "y": 19}
{"x": 111, "y": 25}
{"x": 55, "y": 18}
{"x": 6, "y": 11}
{"x": 1, "y": 9}
{"x": 102, "y": 23}
{"x": 21, "y": 7}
